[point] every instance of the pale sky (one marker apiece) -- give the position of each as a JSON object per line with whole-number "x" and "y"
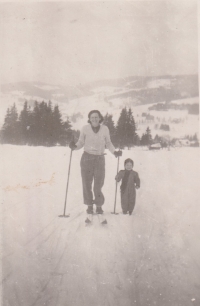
{"x": 77, "y": 42}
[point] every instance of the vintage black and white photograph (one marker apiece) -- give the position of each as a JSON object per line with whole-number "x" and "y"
{"x": 99, "y": 142}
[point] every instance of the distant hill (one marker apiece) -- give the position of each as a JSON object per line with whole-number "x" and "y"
{"x": 152, "y": 89}
{"x": 142, "y": 88}
{"x": 45, "y": 91}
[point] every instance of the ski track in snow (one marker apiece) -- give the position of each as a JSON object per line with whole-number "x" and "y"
{"x": 149, "y": 258}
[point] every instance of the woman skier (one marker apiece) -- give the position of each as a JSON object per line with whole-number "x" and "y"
{"x": 94, "y": 137}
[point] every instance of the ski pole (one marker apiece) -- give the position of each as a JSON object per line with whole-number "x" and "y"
{"x": 66, "y": 216}
{"x": 116, "y": 190}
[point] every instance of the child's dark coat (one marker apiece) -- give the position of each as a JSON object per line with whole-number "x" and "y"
{"x": 128, "y": 196}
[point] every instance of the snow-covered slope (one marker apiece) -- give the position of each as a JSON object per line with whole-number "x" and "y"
{"x": 180, "y": 122}
{"x": 149, "y": 258}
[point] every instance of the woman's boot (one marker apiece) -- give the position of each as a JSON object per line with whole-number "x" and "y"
{"x": 90, "y": 209}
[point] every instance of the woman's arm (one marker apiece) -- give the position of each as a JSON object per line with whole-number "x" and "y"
{"x": 81, "y": 141}
{"x": 109, "y": 144}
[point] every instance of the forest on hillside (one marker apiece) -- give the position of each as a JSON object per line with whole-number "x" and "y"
{"x": 42, "y": 125}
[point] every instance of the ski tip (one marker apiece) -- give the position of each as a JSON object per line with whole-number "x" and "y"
{"x": 87, "y": 221}
{"x": 104, "y": 222}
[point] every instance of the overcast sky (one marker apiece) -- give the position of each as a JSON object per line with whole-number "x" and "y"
{"x": 76, "y": 42}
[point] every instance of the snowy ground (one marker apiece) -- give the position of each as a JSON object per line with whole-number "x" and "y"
{"x": 149, "y": 258}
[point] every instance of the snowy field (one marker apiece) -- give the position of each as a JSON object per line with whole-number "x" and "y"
{"x": 149, "y": 258}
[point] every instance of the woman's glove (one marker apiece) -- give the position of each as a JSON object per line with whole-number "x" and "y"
{"x": 72, "y": 145}
{"x": 118, "y": 153}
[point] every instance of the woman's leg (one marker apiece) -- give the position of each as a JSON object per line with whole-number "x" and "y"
{"x": 99, "y": 176}
{"x": 87, "y": 173}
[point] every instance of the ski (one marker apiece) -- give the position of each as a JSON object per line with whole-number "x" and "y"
{"x": 89, "y": 219}
{"x": 104, "y": 222}
{"x": 102, "y": 219}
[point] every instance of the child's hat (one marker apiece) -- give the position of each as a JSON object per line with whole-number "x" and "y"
{"x": 128, "y": 160}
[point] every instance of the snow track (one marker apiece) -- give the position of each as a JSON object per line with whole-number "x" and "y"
{"x": 149, "y": 258}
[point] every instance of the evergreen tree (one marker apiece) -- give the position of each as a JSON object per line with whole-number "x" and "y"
{"x": 47, "y": 118}
{"x": 157, "y": 139}
{"x": 35, "y": 125}
{"x": 10, "y": 130}
{"x": 121, "y": 129}
{"x": 24, "y": 120}
{"x": 126, "y": 130}
{"x": 67, "y": 133}
{"x": 49, "y": 124}
{"x": 149, "y": 137}
{"x": 130, "y": 129}
{"x": 137, "y": 140}
{"x": 195, "y": 138}
{"x": 6, "y": 129}
{"x": 143, "y": 141}
{"x": 40, "y": 126}
{"x": 108, "y": 121}
{"x": 56, "y": 125}
{"x": 146, "y": 138}
{"x": 43, "y": 112}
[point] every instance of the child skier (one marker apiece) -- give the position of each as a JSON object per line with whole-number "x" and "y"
{"x": 130, "y": 182}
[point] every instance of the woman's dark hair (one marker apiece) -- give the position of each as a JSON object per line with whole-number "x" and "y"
{"x": 97, "y": 112}
{"x": 128, "y": 160}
